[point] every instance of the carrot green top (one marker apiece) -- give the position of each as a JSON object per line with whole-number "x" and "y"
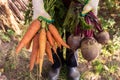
{"x": 86, "y": 1}
{"x": 45, "y": 19}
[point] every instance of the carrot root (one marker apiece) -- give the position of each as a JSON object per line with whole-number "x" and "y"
{"x": 35, "y": 48}
{"x": 56, "y": 35}
{"x": 49, "y": 52}
{"x": 32, "y": 30}
{"x": 42, "y": 46}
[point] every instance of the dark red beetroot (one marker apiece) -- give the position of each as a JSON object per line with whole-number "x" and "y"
{"x": 74, "y": 41}
{"x": 90, "y": 49}
{"x": 103, "y": 37}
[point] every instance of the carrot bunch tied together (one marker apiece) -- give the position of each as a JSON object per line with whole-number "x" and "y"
{"x": 44, "y": 38}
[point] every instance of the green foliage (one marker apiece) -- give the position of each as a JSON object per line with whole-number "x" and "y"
{"x": 63, "y": 73}
{"x": 109, "y": 50}
{"x": 112, "y": 4}
{"x": 107, "y": 24}
{"x": 10, "y": 32}
{"x": 71, "y": 19}
{"x": 112, "y": 67}
{"x": 84, "y": 25}
{"x": 57, "y": 11}
{"x": 113, "y": 45}
{"x": 28, "y": 13}
{"x": 50, "y": 6}
{"x": 5, "y": 36}
{"x": 98, "y": 66}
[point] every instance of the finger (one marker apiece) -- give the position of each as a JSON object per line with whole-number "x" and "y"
{"x": 87, "y": 8}
{"x": 91, "y": 6}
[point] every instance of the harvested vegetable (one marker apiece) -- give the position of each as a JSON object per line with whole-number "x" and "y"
{"x": 37, "y": 58}
{"x": 35, "y": 49}
{"x": 47, "y": 34}
{"x": 58, "y": 44}
{"x": 28, "y": 44}
{"x": 49, "y": 52}
{"x": 74, "y": 41}
{"x": 50, "y": 38}
{"x": 42, "y": 46}
{"x": 54, "y": 49}
{"x": 56, "y": 35}
{"x": 51, "y": 41}
{"x": 90, "y": 49}
{"x": 32, "y": 30}
{"x": 103, "y": 37}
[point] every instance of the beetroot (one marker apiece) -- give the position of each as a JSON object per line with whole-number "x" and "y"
{"x": 103, "y": 37}
{"x": 74, "y": 41}
{"x": 90, "y": 49}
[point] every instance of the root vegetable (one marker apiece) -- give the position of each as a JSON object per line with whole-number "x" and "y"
{"x": 103, "y": 37}
{"x": 56, "y": 35}
{"x": 74, "y": 41}
{"x": 35, "y": 49}
{"x": 50, "y": 38}
{"x": 37, "y": 58}
{"x": 49, "y": 52}
{"x": 54, "y": 49}
{"x": 52, "y": 41}
{"x": 58, "y": 44}
{"x": 32, "y": 30}
{"x": 28, "y": 44}
{"x": 90, "y": 49}
{"x": 42, "y": 46}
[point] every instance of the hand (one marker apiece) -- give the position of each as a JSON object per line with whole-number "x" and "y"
{"x": 92, "y": 5}
{"x": 39, "y": 10}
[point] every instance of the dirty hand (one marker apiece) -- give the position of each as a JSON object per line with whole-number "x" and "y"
{"x": 39, "y": 10}
{"x": 92, "y": 5}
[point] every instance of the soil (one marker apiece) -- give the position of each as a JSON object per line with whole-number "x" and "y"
{"x": 17, "y": 67}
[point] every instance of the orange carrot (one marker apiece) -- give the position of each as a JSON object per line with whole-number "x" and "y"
{"x": 35, "y": 49}
{"x": 54, "y": 49}
{"x": 42, "y": 46}
{"x": 28, "y": 44}
{"x": 56, "y": 35}
{"x": 51, "y": 41}
{"x": 50, "y": 38}
{"x": 37, "y": 57}
{"x": 58, "y": 44}
{"x": 49, "y": 52}
{"x": 32, "y": 30}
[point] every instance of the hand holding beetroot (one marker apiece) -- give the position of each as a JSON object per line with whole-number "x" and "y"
{"x": 91, "y": 5}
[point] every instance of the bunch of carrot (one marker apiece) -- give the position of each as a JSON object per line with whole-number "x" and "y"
{"x": 44, "y": 38}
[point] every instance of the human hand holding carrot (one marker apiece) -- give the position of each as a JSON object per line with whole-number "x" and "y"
{"x": 39, "y": 10}
{"x": 41, "y": 25}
